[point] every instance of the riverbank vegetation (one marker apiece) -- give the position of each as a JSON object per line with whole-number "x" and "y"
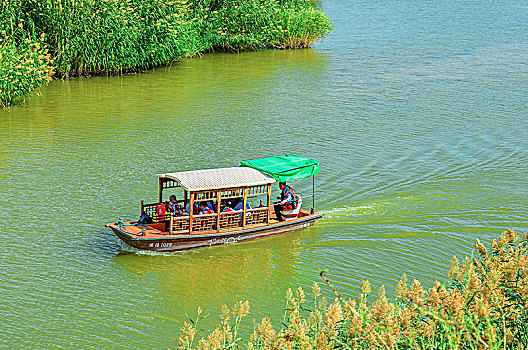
{"x": 23, "y": 68}
{"x": 86, "y": 37}
{"x": 484, "y": 307}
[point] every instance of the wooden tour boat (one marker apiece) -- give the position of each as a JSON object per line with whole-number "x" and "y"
{"x": 162, "y": 230}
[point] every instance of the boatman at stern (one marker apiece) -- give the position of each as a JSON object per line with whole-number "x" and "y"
{"x": 287, "y": 200}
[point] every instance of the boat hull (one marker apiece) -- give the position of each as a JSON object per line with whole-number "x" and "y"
{"x": 171, "y": 243}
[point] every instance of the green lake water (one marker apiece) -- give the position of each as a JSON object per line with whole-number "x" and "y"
{"x": 416, "y": 110}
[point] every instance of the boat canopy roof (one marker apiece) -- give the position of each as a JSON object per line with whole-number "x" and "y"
{"x": 211, "y": 179}
{"x": 285, "y": 167}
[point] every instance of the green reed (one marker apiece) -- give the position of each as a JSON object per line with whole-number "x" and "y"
{"x": 97, "y": 36}
{"x": 254, "y": 24}
{"x": 23, "y": 68}
{"x": 24, "y": 60}
{"x": 88, "y": 37}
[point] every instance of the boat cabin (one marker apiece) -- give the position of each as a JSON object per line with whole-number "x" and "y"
{"x": 217, "y": 189}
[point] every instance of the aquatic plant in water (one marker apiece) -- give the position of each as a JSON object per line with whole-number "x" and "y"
{"x": 484, "y": 307}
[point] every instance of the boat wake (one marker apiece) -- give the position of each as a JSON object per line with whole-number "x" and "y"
{"x": 360, "y": 210}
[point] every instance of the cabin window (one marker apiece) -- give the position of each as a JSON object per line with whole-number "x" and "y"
{"x": 210, "y": 197}
{"x": 205, "y": 196}
{"x": 167, "y": 183}
{"x": 232, "y": 193}
{"x": 257, "y": 190}
{"x": 257, "y": 196}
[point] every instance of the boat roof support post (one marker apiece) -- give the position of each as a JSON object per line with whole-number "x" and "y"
{"x": 313, "y": 194}
{"x": 218, "y": 203}
{"x": 269, "y": 204}
{"x": 191, "y": 211}
{"x": 244, "y": 203}
{"x": 160, "y": 189}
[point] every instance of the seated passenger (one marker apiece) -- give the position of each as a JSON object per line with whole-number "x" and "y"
{"x": 288, "y": 200}
{"x": 240, "y": 205}
{"x": 196, "y": 209}
{"x": 173, "y": 206}
{"x": 228, "y": 206}
{"x": 204, "y": 209}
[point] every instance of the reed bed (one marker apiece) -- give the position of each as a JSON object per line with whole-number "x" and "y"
{"x": 23, "y": 68}
{"x": 87, "y": 37}
{"x": 254, "y": 24}
{"x": 484, "y": 307}
{"x": 25, "y": 62}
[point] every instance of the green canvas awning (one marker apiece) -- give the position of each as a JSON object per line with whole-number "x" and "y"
{"x": 286, "y": 167}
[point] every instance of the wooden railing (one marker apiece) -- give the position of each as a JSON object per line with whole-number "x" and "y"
{"x": 256, "y": 216}
{"x": 150, "y": 210}
{"x": 180, "y": 224}
{"x": 231, "y": 219}
{"x": 206, "y": 222}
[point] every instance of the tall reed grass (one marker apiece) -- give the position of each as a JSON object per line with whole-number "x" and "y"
{"x": 23, "y": 68}
{"x": 253, "y": 24}
{"x": 88, "y": 37}
{"x": 484, "y": 307}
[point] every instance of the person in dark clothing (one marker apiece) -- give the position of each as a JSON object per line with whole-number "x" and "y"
{"x": 240, "y": 205}
{"x": 204, "y": 209}
{"x": 287, "y": 200}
